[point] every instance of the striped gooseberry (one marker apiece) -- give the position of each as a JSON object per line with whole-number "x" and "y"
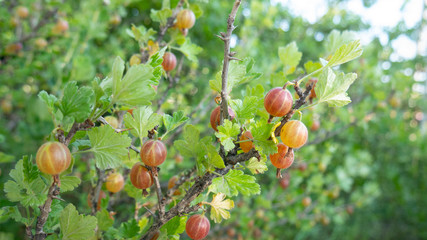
{"x": 294, "y": 134}
{"x": 278, "y": 102}
{"x": 53, "y": 158}
{"x": 246, "y": 146}
{"x": 185, "y": 19}
{"x": 153, "y": 153}
{"x": 140, "y": 176}
{"x": 169, "y": 61}
{"x": 197, "y": 227}
{"x": 280, "y": 159}
{"x": 216, "y": 117}
{"x": 115, "y": 182}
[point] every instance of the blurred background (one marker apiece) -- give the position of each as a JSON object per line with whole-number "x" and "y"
{"x": 362, "y": 174}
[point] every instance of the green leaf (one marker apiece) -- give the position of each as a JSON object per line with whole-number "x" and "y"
{"x": 77, "y": 103}
{"x": 69, "y": 183}
{"x": 161, "y": 16}
{"x": 28, "y": 193}
{"x": 336, "y": 39}
{"x": 172, "y": 122}
{"x": 197, "y": 10}
{"x": 142, "y": 121}
{"x": 211, "y": 159}
{"x": 190, "y": 50}
{"x": 49, "y": 99}
{"x": 140, "y": 33}
{"x": 104, "y": 220}
{"x": 227, "y": 133}
{"x": 31, "y": 171}
{"x": 261, "y": 133}
{"x": 290, "y": 57}
{"x": 55, "y": 213}
{"x": 75, "y": 226}
{"x": 257, "y": 166}
{"x": 246, "y": 109}
{"x": 346, "y": 53}
{"x": 312, "y": 66}
{"x": 189, "y": 147}
{"x": 236, "y": 74}
{"x": 332, "y": 88}
{"x": 129, "y": 229}
{"x": 135, "y": 87}
{"x": 157, "y": 59}
{"x": 233, "y": 182}
{"x": 176, "y": 225}
{"x": 13, "y": 212}
{"x": 6, "y": 158}
{"x": 109, "y": 147}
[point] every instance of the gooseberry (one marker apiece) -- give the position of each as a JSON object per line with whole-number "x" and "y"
{"x": 315, "y": 125}
{"x": 185, "y": 19}
{"x": 169, "y": 61}
{"x": 279, "y": 159}
{"x": 153, "y": 153}
{"x": 22, "y": 12}
{"x": 246, "y": 146}
{"x": 284, "y": 182}
{"x": 306, "y": 201}
{"x": 294, "y": 134}
{"x": 172, "y": 183}
{"x": 216, "y": 117}
{"x": 112, "y": 121}
{"x": 98, "y": 205}
{"x": 140, "y": 176}
{"x": 115, "y": 182}
{"x": 41, "y": 43}
{"x": 197, "y": 227}
{"x": 53, "y": 158}
{"x": 115, "y": 20}
{"x": 278, "y": 102}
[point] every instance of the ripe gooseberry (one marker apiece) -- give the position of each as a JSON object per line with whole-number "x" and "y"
{"x": 185, "y": 19}
{"x": 169, "y": 61}
{"x": 294, "y": 134}
{"x": 278, "y": 102}
{"x": 153, "y": 153}
{"x": 216, "y": 117}
{"x": 172, "y": 183}
{"x": 22, "y": 12}
{"x": 140, "y": 176}
{"x": 315, "y": 125}
{"x": 60, "y": 26}
{"x": 41, "y": 43}
{"x": 302, "y": 166}
{"x": 246, "y": 146}
{"x": 284, "y": 182}
{"x": 98, "y": 205}
{"x": 178, "y": 158}
{"x": 53, "y": 158}
{"x": 115, "y": 182}
{"x": 197, "y": 227}
{"x": 306, "y": 201}
{"x": 115, "y": 20}
{"x": 279, "y": 159}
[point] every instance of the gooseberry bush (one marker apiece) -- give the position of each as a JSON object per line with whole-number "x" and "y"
{"x": 111, "y": 124}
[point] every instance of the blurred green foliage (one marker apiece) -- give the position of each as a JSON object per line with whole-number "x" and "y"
{"x": 365, "y": 165}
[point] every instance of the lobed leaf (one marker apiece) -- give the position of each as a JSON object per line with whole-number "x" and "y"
{"x": 332, "y": 88}
{"x": 75, "y": 226}
{"x": 220, "y": 205}
{"x": 233, "y": 182}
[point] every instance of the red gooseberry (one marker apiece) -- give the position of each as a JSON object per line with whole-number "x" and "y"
{"x": 153, "y": 153}
{"x": 53, "y": 158}
{"x": 278, "y": 102}
{"x": 246, "y": 146}
{"x": 115, "y": 182}
{"x": 169, "y": 61}
{"x": 140, "y": 176}
{"x": 197, "y": 227}
{"x": 216, "y": 117}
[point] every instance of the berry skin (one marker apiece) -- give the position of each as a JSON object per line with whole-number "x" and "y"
{"x": 61, "y": 26}
{"x": 172, "y": 183}
{"x": 112, "y": 121}
{"x": 178, "y": 158}
{"x": 169, "y": 61}
{"x": 140, "y": 176}
{"x": 315, "y": 125}
{"x": 284, "y": 182}
{"x": 294, "y": 134}
{"x": 41, "y": 43}
{"x": 98, "y": 205}
{"x": 134, "y": 60}
{"x": 115, "y": 182}
{"x": 53, "y": 158}
{"x": 246, "y": 146}
{"x": 197, "y": 227}
{"x": 216, "y": 117}
{"x": 22, "y": 12}
{"x": 153, "y": 153}
{"x": 278, "y": 102}
{"x": 279, "y": 159}
{"x": 185, "y": 19}
{"x": 13, "y": 48}
{"x": 302, "y": 166}
{"x": 115, "y": 20}
{"x": 306, "y": 201}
